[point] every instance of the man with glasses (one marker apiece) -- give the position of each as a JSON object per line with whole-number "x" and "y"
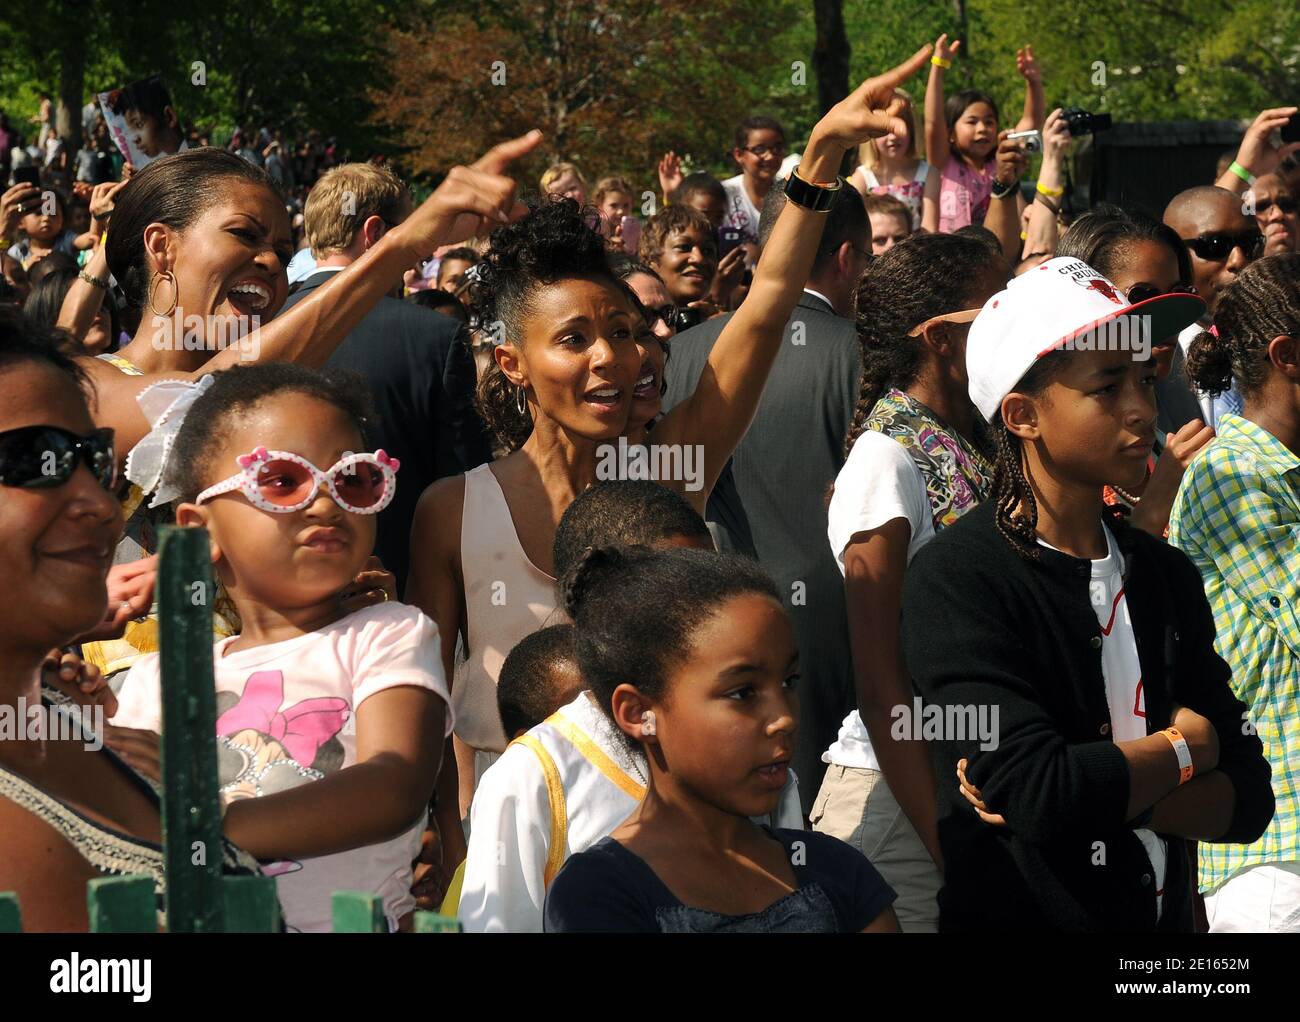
{"x": 1275, "y": 209}
{"x": 1221, "y": 241}
{"x": 760, "y": 148}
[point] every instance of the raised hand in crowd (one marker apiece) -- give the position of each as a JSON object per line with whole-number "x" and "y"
{"x": 670, "y": 175}
{"x": 1257, "y": 154}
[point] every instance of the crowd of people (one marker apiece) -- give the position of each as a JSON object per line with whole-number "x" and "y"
{"x": 894, "y": 550}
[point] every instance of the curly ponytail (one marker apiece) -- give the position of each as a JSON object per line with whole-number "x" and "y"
{"x": 1263, "y": 302}
{"x": 557, "y": 240}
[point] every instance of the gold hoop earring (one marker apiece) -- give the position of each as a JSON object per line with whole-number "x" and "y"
{"x": 153, "y": 286}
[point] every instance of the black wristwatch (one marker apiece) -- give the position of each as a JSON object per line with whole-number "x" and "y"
{"x": 814, "y": 197}
{"x": 1001, "y": 191}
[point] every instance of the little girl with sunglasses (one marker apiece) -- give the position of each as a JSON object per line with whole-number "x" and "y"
{"x": 330, "y": 724}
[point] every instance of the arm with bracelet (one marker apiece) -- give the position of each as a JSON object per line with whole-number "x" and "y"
{"x": 86, "y": 296}
{"x": 1257, "y": 155}
{"x": 937, "y": 149}
{"x": 722, "y": 406}
{"x": 1003, "y": 217}
{"x": 1042, "y": 233}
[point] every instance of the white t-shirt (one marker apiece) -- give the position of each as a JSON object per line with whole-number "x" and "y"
{"x": 741, "y": 212}
{"x": 878, "y": 483}
{"x": 1122, "y": 672}
{"x": 286, "y": 717}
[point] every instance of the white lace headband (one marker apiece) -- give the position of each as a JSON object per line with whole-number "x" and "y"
{"x": 165, "y": 404}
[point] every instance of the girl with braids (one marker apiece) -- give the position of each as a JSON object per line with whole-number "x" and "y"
{"x": 1066, "y": 659}
{"x": 915, "y": 464}
{"x": 569, "y": 358}
{"x": 1237, "y": 516}
{"x": 692, "y": 659}
{"x": 1145, "y": 258}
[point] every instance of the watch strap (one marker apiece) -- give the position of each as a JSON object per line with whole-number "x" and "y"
{"x": 817, "y": 198}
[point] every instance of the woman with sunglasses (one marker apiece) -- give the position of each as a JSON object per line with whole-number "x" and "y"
{"x": 70, "y": 811}
{"x": 330, "y": 724}
{"x": 1145, "y": 259}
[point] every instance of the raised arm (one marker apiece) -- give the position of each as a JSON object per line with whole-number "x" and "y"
{"x": 308, "y": 333}
{"x": 719, "y": 411}
{"x": 1257, "y": 154}
{"x": 1035, "y": 103}
{"x": 930, "y": 202}
{"x": 83, "y": 301}
{"x": 936, "y": 125}
{"x": 1042, "y": 233}
{"x": 1003, "y": 216}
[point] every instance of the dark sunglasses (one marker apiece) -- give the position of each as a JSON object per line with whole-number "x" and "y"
{"x": 1145, "y": 292}
{"x": 41, "y": 457}
{"x": 666, "y": 313}
{"x": 1285, "y": 204}
{"x": 763, "y": 150}
{"x": 1215, "y": 248}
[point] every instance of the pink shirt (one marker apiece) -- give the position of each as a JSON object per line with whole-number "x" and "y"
{"x": 964, "y": 194}
{"x": 286, "y": 717}
{"x": 910, "y": 192}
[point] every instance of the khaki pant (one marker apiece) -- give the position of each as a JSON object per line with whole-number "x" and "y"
{"x": 856, "y": 806}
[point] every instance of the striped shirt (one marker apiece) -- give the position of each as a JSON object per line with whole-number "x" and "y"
{"x": 1237, "y": 516}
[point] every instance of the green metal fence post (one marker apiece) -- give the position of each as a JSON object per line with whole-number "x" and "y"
{"x": 11, "y": 918}
{"x": 191, "y": 816}
{"x": 432, "y": 922}
{"x": 122, "y": 905}
{"x": 251, "y": 905}
{"x": 357, "y": 912}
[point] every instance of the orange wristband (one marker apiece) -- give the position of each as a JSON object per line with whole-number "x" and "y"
{"x": 1182, "y": 751}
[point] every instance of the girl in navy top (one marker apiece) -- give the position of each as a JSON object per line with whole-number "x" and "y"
{"x": 692, "y": 655}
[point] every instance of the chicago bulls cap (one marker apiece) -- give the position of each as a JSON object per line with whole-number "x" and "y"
{"x": 1062, "y": 303}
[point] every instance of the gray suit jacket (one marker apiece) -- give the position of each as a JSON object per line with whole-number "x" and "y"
{"x": 772, "y": 499}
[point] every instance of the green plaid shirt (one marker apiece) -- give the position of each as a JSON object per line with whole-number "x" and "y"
{"x": 1237, "y": 516}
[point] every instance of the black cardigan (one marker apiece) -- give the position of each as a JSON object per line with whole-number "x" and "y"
{"x": 983, "y": 626}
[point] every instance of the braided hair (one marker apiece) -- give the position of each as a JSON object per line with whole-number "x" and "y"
{"x": 1015, "y": 511}
{"x": 1263, "y": 302}
{"x": 924, "y": 276}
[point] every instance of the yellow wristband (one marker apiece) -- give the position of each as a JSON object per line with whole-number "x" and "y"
{"x": 943, "y": 62}
{"x": 1051, "y": 193}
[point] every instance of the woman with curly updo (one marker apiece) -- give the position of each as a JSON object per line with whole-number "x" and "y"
{"x": 481, "y": 543}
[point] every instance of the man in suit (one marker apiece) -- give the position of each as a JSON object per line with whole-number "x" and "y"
{"x": 416, "y": 363}
{"x": 780, "y": 472}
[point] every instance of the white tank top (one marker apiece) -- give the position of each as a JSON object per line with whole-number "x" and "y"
{"x": 506, "y": 598}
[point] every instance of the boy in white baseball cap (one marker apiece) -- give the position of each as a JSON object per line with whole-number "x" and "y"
{"x": 1087, "y": 641}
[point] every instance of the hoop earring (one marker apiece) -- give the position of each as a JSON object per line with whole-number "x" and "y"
{"x": 153, "y": 286}
{"x": 521, "y": 400}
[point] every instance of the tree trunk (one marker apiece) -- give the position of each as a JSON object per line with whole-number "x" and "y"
{"x": 830, "y": 54}
{"x": 72, "y": 83}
